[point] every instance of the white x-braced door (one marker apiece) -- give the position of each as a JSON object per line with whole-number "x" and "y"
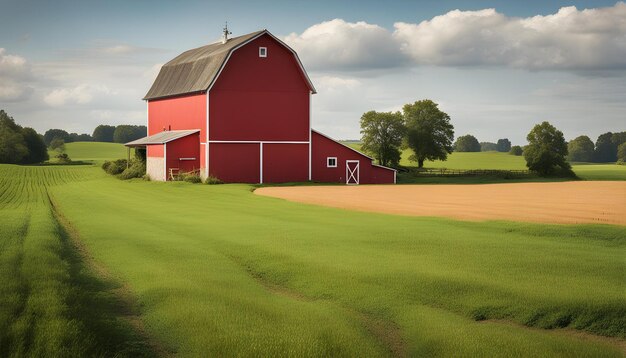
{"x": 352, "y": 172}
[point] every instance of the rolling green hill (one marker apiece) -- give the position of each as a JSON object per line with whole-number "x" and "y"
{"x": 94, "y": 151}
{"x": 475, "y": 160}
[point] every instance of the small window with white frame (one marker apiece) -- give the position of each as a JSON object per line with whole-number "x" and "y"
{"x": 331, "y": 162}
{"x": 262, "y": 51}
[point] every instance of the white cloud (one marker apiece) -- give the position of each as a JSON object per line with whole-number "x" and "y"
{"x": 119, "y": 49}
{"x": 82, "y": 94}
{"x": 100, "y": 48}
{"x": 571, "y": 39}
{"x": 12, "y": 65}
{"x": 118, "y": 116}
{"x": 346, "y": 45}
{"x": 333, "y": 82}
{"x": 14, "y": 92}
{"x": 15, "y": 77}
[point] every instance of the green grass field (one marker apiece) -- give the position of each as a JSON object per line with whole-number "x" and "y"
{"x": 216, "y": 270}
{"x": 93, "y": 151}
{"x": 505, "y": 161}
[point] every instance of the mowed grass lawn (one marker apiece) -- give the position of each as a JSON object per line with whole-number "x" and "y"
{"x": 218, "y": 271}
{"x": 505, "y": 161}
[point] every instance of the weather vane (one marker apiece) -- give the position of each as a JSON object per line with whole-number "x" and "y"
{"x": 226, "y": 33}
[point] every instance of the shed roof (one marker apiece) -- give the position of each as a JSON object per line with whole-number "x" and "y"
{"x": 161, "y": 138}
{"x": 195, "y": 70}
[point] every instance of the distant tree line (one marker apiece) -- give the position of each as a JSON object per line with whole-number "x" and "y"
{"x": 469, "y": 143}
{"x": 20, "y": 145}
{"x": 23, "y": 145}
{"x": 122, "y": 133}
{"x": 609, "y": 147}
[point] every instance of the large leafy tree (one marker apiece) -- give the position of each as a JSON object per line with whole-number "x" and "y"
{"x": 12, "y": 146}
{"x": 606, "y": 150}
{"x": 37, "y": 151}
{"x": 606, "y": 146}
{"x": 546, "y": 151}
{"x": 429, "y": 131}
{"x": 466, "y": 143}
{"x": 103, "y": 133}
{"x": 618, "y": 139}
{"x": 503, "y": 145}
{"x": 516, "y": 150}
{"x": 19, "y": 145}
{"x": 382, "y": 134}
{"x": 580, "y": 149}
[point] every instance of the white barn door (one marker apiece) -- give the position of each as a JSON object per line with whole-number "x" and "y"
{"x": 352, "y": 172}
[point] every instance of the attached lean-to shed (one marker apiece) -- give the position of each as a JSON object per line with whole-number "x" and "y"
{"x": 169, "y": 153}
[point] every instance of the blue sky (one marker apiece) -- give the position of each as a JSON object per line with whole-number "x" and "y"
{"x": 74, "y": 65}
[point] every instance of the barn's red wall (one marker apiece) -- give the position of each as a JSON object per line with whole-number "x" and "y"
{"x": 235, "y": 162}
{"x": 283, "y": 163}
{"x": 185, "y": 112}
{"x": 257, "y": 98}
{"x": 154, "y": 150}
{"x": 323, "y": 147}
{"x": 185, "y": 147}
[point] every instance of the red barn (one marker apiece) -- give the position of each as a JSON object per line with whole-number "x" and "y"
{"x": 240, "y": 110}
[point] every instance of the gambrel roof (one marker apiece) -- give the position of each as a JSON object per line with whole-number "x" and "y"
{"x": 196, "y": 70}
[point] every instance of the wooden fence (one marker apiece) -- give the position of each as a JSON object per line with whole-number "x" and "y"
{"x": 444, "y": 172}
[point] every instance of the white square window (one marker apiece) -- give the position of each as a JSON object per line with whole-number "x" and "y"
{"x": 262, "y": 51}
{"x": 331, "y": 162}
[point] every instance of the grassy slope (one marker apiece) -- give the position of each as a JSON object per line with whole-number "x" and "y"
{"x": 505, "y": 161}
{"x": 97, "y": 151}
{"x": 215, "y": 266}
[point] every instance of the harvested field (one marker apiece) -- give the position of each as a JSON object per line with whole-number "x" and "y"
{"x": 564, "y": 202}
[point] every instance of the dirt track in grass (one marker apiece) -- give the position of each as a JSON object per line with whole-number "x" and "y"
{"x": 598, "y": 202}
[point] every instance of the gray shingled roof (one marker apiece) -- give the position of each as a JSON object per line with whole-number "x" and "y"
{"x": 195, "y": 70}
{"x": 161, "y": 137}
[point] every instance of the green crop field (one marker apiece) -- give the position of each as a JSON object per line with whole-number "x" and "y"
{"x": 505, "y": 161}
{"x": 92, "y": 265}
{"x": 96, "y": 151}
{"x": 51, "y": 304}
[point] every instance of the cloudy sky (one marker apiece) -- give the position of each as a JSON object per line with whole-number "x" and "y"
{"x": 496, "y": 67}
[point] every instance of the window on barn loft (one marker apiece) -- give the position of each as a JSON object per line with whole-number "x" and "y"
{"x": 331, "y": 162}
{"x": 262, "y": 51}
